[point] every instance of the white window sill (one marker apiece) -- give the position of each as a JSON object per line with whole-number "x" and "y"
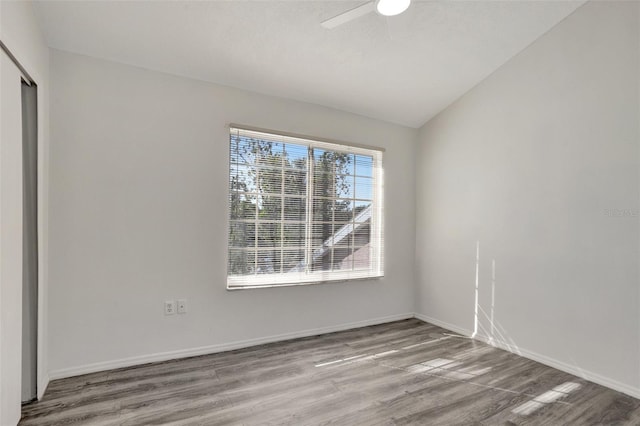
{"x": 271, "y": 283}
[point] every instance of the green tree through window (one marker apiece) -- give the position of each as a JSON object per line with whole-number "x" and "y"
{"x": 297, "y": 208}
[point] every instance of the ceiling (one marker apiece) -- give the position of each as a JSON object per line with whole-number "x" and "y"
{"x": 403, "y": 69}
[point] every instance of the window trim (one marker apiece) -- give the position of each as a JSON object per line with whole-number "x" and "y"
{"x": 303, "y": 137}
{"x": 375, "y": 272}
{"x": 379, "y": 276}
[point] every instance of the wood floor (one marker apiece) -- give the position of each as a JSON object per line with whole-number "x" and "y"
{"x": 401, "y": 373}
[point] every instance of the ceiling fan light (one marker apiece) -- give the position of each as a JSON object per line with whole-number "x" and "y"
{"x": 391, "y": 7}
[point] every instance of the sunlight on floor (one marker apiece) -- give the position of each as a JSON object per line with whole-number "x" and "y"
{"x": 548, "y": 397}
{"x": 444, "y": 367}
{"x": 367, "y": 357}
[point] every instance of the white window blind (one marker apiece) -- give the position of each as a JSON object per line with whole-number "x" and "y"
{"x": 302, "y": 211}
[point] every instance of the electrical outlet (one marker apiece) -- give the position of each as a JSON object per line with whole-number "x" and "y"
{"x": 169, "y": 307}
{"x": 182, "y": 306}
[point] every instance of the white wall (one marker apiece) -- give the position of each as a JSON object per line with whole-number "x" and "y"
{"x": 10, "y": 241}
{"x": 530, "y": 164}
{"x": 139, "y": 176}
{"x": 20, "y": 33}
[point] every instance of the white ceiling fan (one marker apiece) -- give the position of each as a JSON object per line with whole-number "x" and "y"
{"x": 382, "y": 7}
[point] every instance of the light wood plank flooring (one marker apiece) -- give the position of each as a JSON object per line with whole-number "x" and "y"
{"x": 401, "y": 373}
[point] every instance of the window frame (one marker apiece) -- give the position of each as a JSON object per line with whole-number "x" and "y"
{"x": 307, "y": 277}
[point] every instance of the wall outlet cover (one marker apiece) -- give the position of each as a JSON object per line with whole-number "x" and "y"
{"x": 169, "y": 307}
{"x": 182, "y": 306}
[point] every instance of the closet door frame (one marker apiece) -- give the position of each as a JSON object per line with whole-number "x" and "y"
{"x": 41, "y": 211}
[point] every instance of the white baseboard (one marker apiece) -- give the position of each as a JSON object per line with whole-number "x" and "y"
{"x": 542, "y": 359}
{"x": 205, "y": 350}
{"x": 567, "y": 368}
{"x": 443, "y": 324}
{"x": 42, "y": 386}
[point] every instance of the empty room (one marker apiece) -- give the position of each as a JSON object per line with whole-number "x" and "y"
{"x": 302, "y": 212}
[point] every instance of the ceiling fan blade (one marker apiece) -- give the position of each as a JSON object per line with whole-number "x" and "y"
{"x": 349, "y": 15}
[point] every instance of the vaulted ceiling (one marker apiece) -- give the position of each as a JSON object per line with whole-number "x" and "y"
{"x": 403, "y": 69}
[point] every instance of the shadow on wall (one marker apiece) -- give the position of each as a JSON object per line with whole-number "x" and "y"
{"x": 497, "y": 335}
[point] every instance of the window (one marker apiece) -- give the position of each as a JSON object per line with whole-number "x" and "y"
{"x": 302, "y": 211}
